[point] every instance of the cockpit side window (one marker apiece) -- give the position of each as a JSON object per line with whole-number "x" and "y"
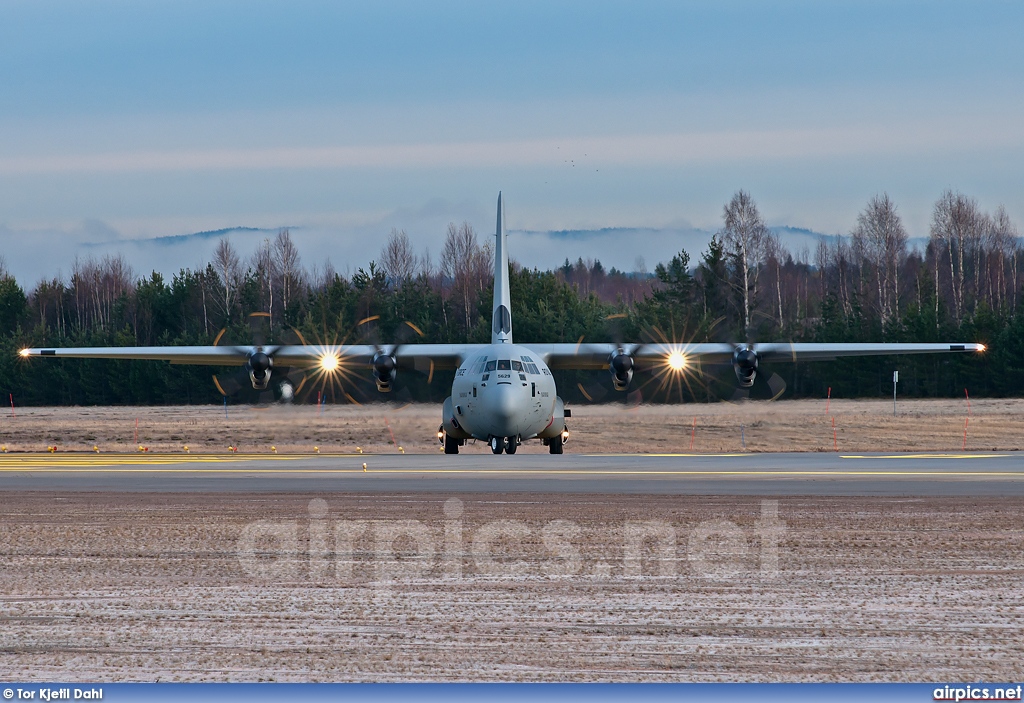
{"x": 517, "y": 365}
{"x": 504, "y": 365}
{"x": 491, "y": 365}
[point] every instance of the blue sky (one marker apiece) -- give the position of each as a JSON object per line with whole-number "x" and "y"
{"x": 127, "y": 120}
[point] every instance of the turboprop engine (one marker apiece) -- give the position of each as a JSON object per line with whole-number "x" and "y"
{"x": 258, "y": 366}
{"x": 620, "y": 366}
{"x": 385, "y": 368}
{"x": 744, "y": 363}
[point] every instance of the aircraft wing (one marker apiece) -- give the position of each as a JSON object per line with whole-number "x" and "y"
{"x": 597, "y": 355}
{"x": 443, "y": 356}
{"x": 214, "y": 356}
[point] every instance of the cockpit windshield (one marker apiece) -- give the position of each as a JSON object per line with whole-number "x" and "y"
{"x": 504, "y": 365}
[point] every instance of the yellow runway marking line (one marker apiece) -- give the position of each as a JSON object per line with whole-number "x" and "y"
{"x": 923, "y": 456}
{"x": 710, "y": 456}
{"x": 49, "y": 461}
{"x": 516, "y": 472}
{"x": 842, "y": 456}
{"x": 738, "y": 472}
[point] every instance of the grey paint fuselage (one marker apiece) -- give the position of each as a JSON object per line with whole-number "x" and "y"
{"x": 504, "y": 402}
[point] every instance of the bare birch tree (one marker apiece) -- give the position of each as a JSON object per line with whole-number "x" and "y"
{"x": 775, "y": 254}
{"x": 883, "y": 240}
{"x": 1004, "y": 244}
{"x": 265, "y": 267}
{"x": 228, "y": 267}
{"x": 397, "y": 258}
{"x": 288, "y": 268}
{"x": 745, "y": 236}
{"x": 465, "y": 266}
{"x": 957, "y": 225}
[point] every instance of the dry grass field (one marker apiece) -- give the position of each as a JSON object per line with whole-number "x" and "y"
{"x": 101, "y": 587}
{"x": 796, "y": 425}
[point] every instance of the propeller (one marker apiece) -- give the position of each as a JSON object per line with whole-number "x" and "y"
{"x": 746, "y": 362}
{"x": 258, "y": 364}
{"x": 595, "y": 387}
{"x": 259, "y": 367}
{"x": 632, "y": 380}
{"x": 352, "y": 380}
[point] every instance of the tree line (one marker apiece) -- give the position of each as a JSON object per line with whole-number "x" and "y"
{"x": 745, "y": 287}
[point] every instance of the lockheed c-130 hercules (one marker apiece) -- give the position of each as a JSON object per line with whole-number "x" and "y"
{"x": 503, "y": 392}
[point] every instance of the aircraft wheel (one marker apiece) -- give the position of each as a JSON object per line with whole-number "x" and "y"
{"x": 451, "y": 445}
{"x": 511, "y": 444}
{"x": 497, "y": 445}
{"x": 555, "y": 445}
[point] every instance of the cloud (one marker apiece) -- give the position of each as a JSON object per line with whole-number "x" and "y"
{"x": 685, "y": 148}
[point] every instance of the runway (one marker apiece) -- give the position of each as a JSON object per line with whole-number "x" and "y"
{"x": 822, "y": 474}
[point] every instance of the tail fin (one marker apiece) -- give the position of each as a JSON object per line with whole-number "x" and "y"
{"x": 501, "y": 325}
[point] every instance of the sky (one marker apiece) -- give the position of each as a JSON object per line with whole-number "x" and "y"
{"x": 124, "y": 122}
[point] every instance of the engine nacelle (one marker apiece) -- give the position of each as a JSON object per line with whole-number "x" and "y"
{"x": 385, "y": 368}
{"x": 557, "y": 425}
{"x": 620, "y": 366}
{"x": 259, "y": 366}
{"x": 744, "y": 363}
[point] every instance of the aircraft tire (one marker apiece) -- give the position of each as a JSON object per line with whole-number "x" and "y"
{"x": 555, "y": 445}
{"x": 511, "y": 444}
{"x": 451, "y": 445}
{"x": 497, "y": 445}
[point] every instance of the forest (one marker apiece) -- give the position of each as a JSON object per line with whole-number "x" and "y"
{"x": 745, "y": 287}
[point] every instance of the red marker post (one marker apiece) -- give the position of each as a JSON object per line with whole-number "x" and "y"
{"x": 12, "y": 405}
{"x": 828, "y": 399}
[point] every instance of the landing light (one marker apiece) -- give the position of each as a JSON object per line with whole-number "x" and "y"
{"x": 981, "y": 347}
{"x": 676, "y": 361}
{"x": 24, "y": 352}
{"x": 329, "y": 362}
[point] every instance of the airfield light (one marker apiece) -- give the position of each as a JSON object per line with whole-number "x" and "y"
{"x": 676, "y": 361}
{"x": 329, "y": 362}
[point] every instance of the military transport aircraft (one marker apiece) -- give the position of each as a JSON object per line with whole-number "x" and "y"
{"x": 503, "y": 393}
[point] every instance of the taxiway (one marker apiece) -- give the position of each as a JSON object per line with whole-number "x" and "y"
{"x": 967, "y": 474}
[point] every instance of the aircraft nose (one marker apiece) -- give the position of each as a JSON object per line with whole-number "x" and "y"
{"x": 504, "y": 401}
{"x": 505, "y": 409}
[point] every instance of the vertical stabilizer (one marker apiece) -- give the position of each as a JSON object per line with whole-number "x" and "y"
{"x": 501, "y": 319}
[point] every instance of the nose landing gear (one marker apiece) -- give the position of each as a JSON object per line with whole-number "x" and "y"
{"x": 509, "y": 445}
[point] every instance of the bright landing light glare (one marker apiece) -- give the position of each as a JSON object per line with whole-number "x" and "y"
{"x": 676, "y": 361}
{"x": 329, "y": 362}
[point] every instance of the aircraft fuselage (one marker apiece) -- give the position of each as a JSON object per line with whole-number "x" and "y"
{"x": 504, "y": 390}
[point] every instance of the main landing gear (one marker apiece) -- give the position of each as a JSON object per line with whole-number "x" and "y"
{"x": 556, "y": 443}
{"x": 509, "y": 445}
{"x": 450, "y": 444}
